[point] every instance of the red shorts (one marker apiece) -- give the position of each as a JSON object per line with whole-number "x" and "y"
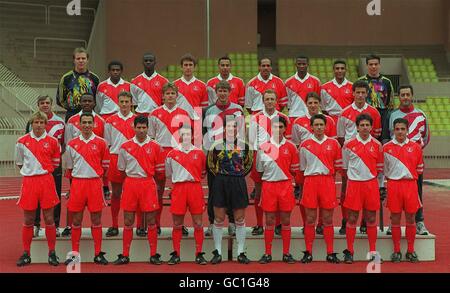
{"x": 114, "y": 174}
{"x": 255, "y": 175}
{"x": 86, "y": 192}
{"x": 362, "y": 195}
{"x": 319, "y": 192}
{"x": 187, "y": 194}
{"x": 403, "y": 195}
{"x": 106, "y": 116}
{"x": 38, "y": 189}
{"x": 277, "y": 196}
{"x": 139, "y": 194}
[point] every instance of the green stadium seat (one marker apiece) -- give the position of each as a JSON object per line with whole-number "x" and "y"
{"x": 432, "y": 74}
{"x": 254, "y": 62}
{"x": 171, "y": 68}
{"x": 281, "y": 62}
{"x": 239, "y": 62}
{"x": 232, "y": 56}
{"x": 312, "y": 61}
{"x": 420, "y": 61}
{"x": 320, "y": 61}
{"x": 239, "y": 56}
{"x": 412, "y": 61}
{"x": 254, "y": 56}
{"x": 201, "y": 62}
{"x": 415, "y": 68}
{"x": 428, "y": 61}
{"x": 246, "y": 56}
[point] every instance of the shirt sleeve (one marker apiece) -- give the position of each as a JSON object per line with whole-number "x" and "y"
{"x": 295, "y": 165}
{"x": 108, "y": 137}
{"x": 340, "y": 127}
{"x": 282, "y": 99}
{"x": 345, "y": 157}
{"x": 211, "y": 95}
{"x": 69, "y": 161}
{"x": 249, "y": 96}
{"x": 380, "y": 159}
{"x": 241, "y": 94}
{"x": 18, "y": 154}
{"x": 302, "y": 159}
{"x": 338, "y": 164}
{"x": 259, "y": 161}
{"x": 56, "y": 156}
{"x": 105, "y": 157}
{"x": 204, "y": 98}
{"x": 152, "y": 126}
{"x": 168, "y": 166}
{"x": 122, "y": 160}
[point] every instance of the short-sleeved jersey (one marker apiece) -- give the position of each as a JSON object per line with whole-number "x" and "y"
{"x": 108, "y": 95}
{"x": 277, "y": 162}
{"x": 335, "y": 97}
{"x": 73, "y": 126}
{"x": 186, "y": 165}
{"x": 237, "y": 93}
{"x": 138, "y": 160}
{"x": 380, "y": 91}
{"x": 362, "y": 159}
{"x": 147, "y": 91}
{"x": 346, "y": 127}
{"x": 119, "y": 129}
{"x": 297, "y": 89}
{"x": 402, "y": 160}
{"x": 301, "y": 129}
{"x": 191, "y": 94}
{"x": 87, "y": 158}
{"x": 37, "y": 155}
{"x": 320, "y": 157}
{"x": 418, "y": 130}
{"x": 55, "y": 127}
{"x": 257, "y": 86}
{"x": 260, "y": 129}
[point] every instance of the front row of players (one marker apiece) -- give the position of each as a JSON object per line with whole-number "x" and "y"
{"x": 314, "y": 165}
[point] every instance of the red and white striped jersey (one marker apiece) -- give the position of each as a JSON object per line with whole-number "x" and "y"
{"x": 320, "y": 157}
{"x": 138, "y": 160}
{"x": 402, "y": 160}
{"x": 297, "y": 89}
{"x": 346, "y": 127}
{"x": 418, "y": 129}
{"x": 301, "y": 129}
{"x": 256, "y": 88}
{"x": 73, "y": 127}
{"x": 37, "y": 155}
{"x": 108, "y": 95}
{"x": 277, "y": 162}
{"x": 191, "y": 94}
{"x": 186, "y": 165}
{"x": 362, "y": 159}
{"x": 260, "y": 129}
{"x": 147, "y": 91}
{"x": 164, "y": 124}
{"x": 335, "y": 97}
{"x": 237, "y": 93}
{"x": 119, "y": 129}
{"x": 87, "y": 158}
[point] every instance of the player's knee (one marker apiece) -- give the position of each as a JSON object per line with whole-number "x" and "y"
{"x": 409, "y": 218}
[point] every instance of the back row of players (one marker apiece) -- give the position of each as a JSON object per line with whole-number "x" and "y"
{"x": 320, "y": 158}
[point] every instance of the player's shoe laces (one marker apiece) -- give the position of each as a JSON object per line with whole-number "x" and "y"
{"x": 319, "y": 230}
{"x": 287, "y": 258}
{"x": 348, "y": 257}
{"x": 307, "y": 257}
{"x": 100, "y": 258}
{"x": 156, "y": 259}
{"x": 389, "y": 230}
{"x": 412, "y": 257}
{"x": 278, "y": 229}
{"x": 217, "y": 258}
{"x": 111, "y": 232}
{"x": 396, "y": 257}
{"x": 265, "y": 259}
{"x": 184, "y": 231}
{"x": 121, "y": 260}
{"x": 24, "y": 260}
{"x": 232, "y": 229}
{"x": 53, "y": 260}
{"x": 141, "y": 232}
{"x": 208, "y": 231}
{"x": 343, "y": 228}
{"x": 332, "y": 258}
{"x": 174, "y": 259}
{"x": 363, "y": 227}
{"x": 66, "y": 232}
{"x": 421, "y": 229}
{"x": 200, "y": 259}
{"x": 257, "y": 230}
{"x": 243, "y": 259}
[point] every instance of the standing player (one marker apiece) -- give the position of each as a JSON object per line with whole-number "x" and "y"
{"x": 109, "y": 90}
{"x": 38, "y": 154}
{"x": 87, "y": 162}
{"x": 403, "y": 162}
{"x": 320, "y": 158}
{"x": 363, "y": 160}
{"x": 186, "y": 165}
{"x": 118, "y": 129}
{"x": 278, "y": 162}
{"x": 237, "y": 92}
{"x": 137, "y": 160}
{"x": 146, "y": 88}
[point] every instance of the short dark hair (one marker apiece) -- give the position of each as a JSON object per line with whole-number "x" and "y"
{"x": 360, "y": 84}
{"x": 223, "y": 58}
{"x": 302, "y": 57}
{"x": 223, "y": 84}
{"x": 264, "y": 58}
{"x": 313, "y": 95}
{"x": 43, "y": 98}
{"x": 80, "y": 50}
{"x": 87, "y": 95}
{"x": 373, "y": 56}
{"x": 125, "y": 94}
{"x": 406, "y": 86}
{"x": 281, "y": 119}
{"x": 269, "y": 91}
{"x": 140, "y": 119}
{"x": 188, "y": 57}
{"x": 363, "y": 116}
{"x": 87, "y": 114}
{"x": 318, "y": 116}
{"x": 401, "y": 120}
{"x": 339, "y": 61}
{"x": 169, "y": 85}
{"x": 115, "y": 62}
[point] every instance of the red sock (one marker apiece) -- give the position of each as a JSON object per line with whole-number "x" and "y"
{"x": 50, "y": 234}
{"x": 350, "y": 233}
{"x": 176, "y": 238}
{"x": 277, "y": 219}
{"x": 27, "y": 236}
{"x": 410, "y": 236}
{"x": 152, "y": 236}
{"x": 286, "y": 237}
{"x": 310, "y": 234}
{"x": 198, "y": 236}
{"x": 259, "y": 213}
{"x": 372, "y": 236}
{"x": 115, "y": 208}
{"x": 303, "y": 214}
{"x": 96, "y": 232}
{"x": 127, "y": 238}
{"x": 396, "y": 236}
{"x": 268, "y": 238}
{"x": 76, "y": 236}
{"x": 328, "y": 236}
{"x": 139, "y": 219}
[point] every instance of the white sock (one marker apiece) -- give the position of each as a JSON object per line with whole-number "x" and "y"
{"x": 240, "y": 236}
{"x": 217, "y": 235}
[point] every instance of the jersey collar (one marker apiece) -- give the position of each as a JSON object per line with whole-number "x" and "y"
{"x": 282, "y": 142}
{"x": 87, "y": 140}
{"x": 230, "y": 77}
{"x": 38, "y": 138}
{"x": 149, "y": 77}
{"x": 339, "y": 85}
{"x": 302, "y": 80}
{"x": 358, "y": 138}
{"x": 147, "y": 140}
{"x": 265, "y": 80}
{"x": 394, "y": 141}
{"x": 193, "y": 79}
{"x": 121, "y": 81}
{"x": 319, "y": 141}
{"x": 125, "y": 117}
{"x": 358, "y": 109}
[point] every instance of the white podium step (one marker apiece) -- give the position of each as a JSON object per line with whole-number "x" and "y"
{"x": 139, "y": 252}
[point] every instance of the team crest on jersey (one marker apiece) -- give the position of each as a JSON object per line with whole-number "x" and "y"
{"x": 371, "y": 149}
{"x": 273, "y": 85}
{"x": 347, "y": 91}
{"x": 157, "y": 84}
{"x": 410, "y": 150}
{"x": 286, "y": 152}
{"x": 305, "y": 125}
{"x": 195, "y": 88}
{"x": 309, "y": 85}
{"x": 232, "y": 86}
{"x": 159, "y": 115}
{"x": 75, "y": 146}
{"x": 308, "y": 146}
{"x": 328, "y": 148}
{"x": 94, "y": 147}
{"x": 195, "y": 157}
{"x": 46, "y": 145}
{"x": 148, "y": 150}
{"x": 329, "y": 91}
